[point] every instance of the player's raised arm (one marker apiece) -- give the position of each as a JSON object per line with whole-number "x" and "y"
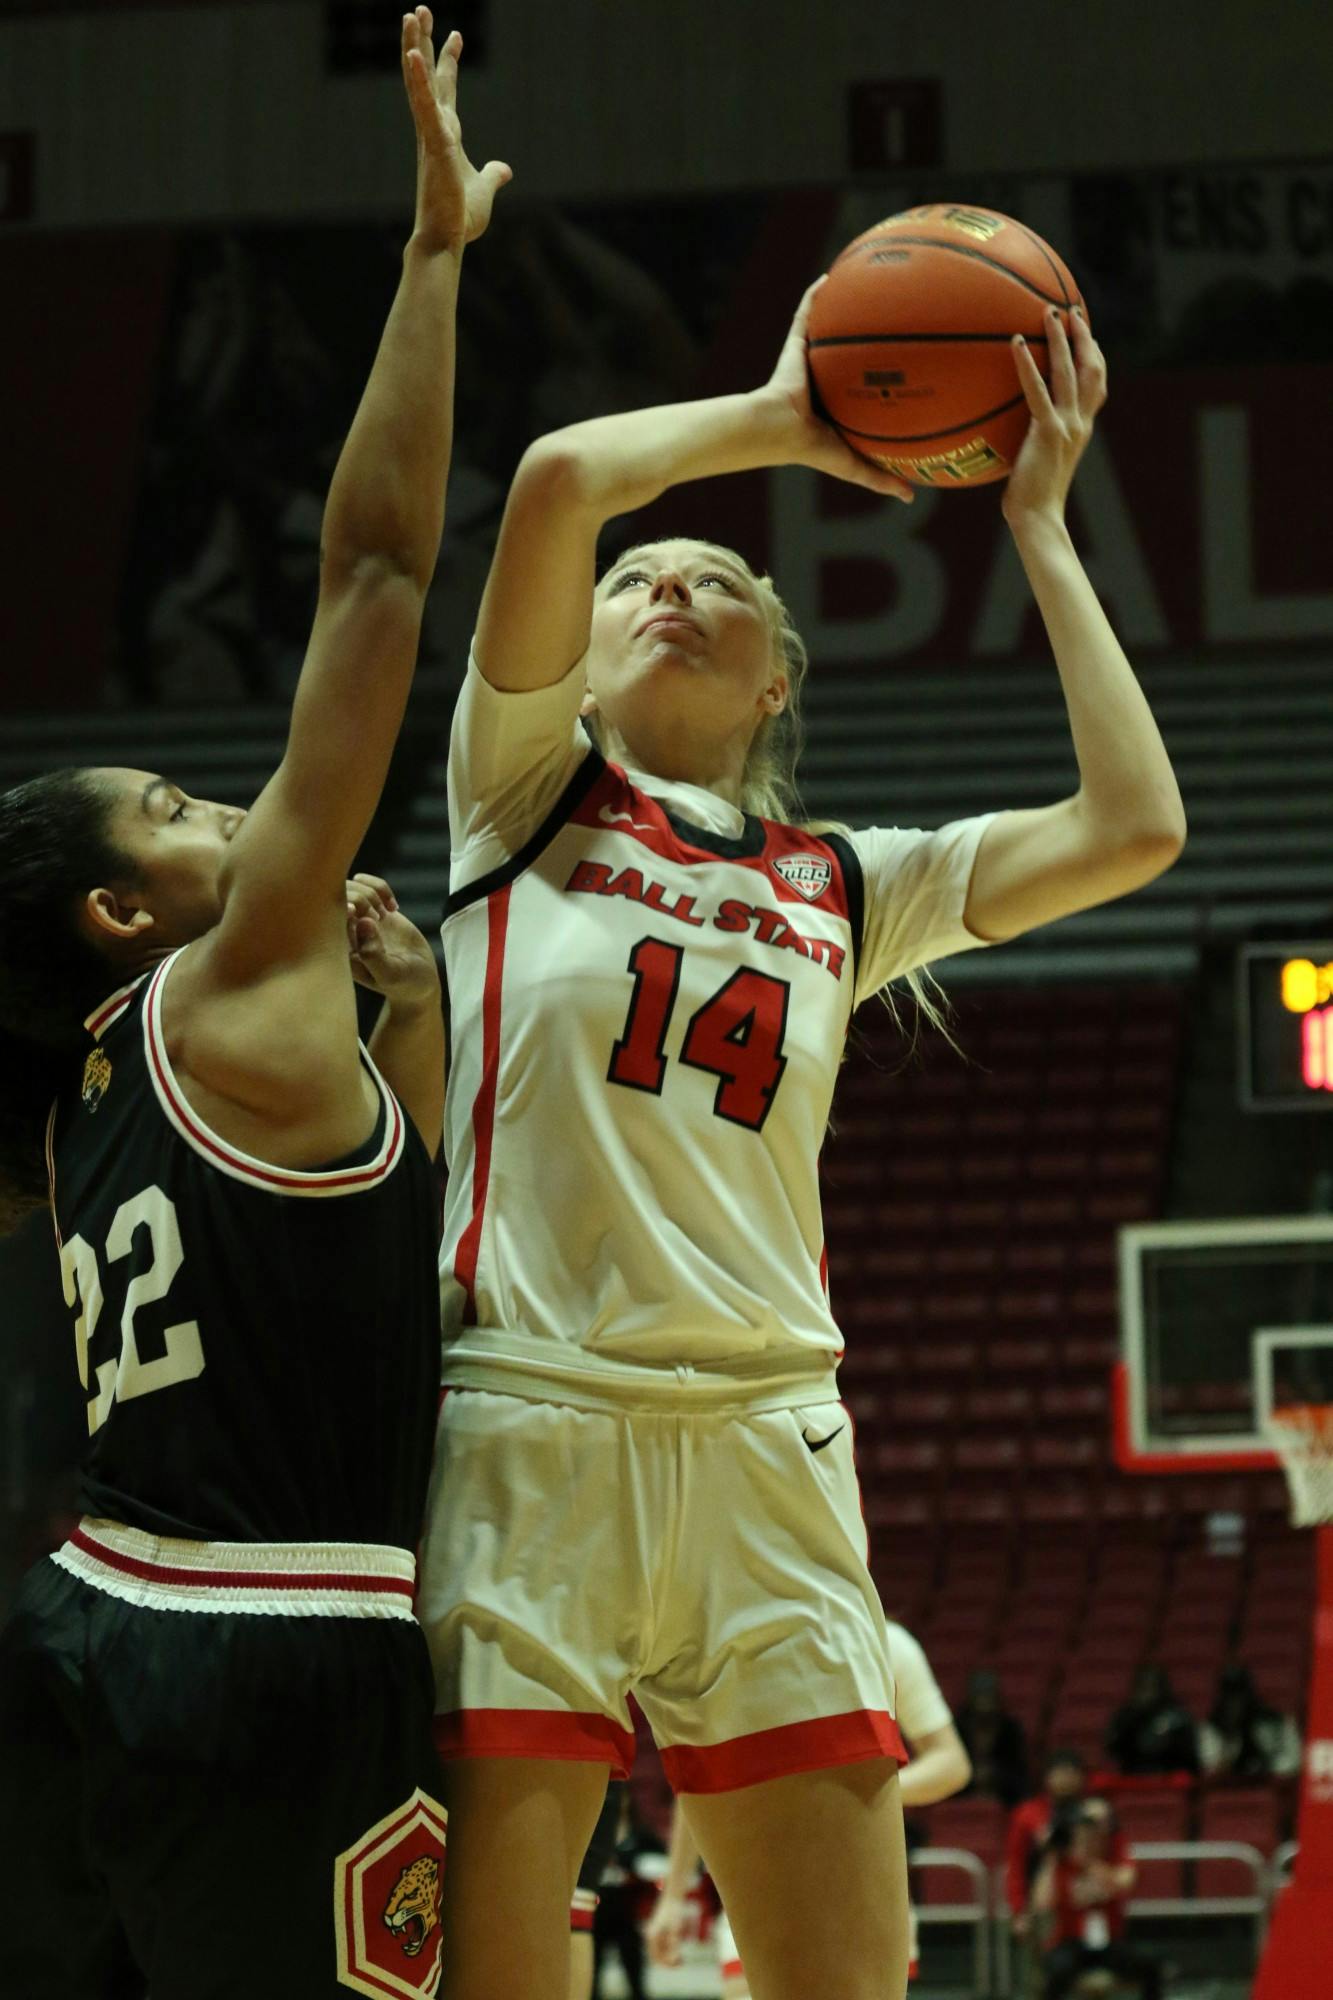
{"x": 1126, "y": 823}
{"x": 283, "y": 887}
{"x": 535, "y": 613}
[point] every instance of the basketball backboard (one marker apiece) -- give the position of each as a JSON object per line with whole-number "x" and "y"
{"x": 1221, "y": 1322}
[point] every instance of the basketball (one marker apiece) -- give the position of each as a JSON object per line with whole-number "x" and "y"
{"x": 909, "y": 340}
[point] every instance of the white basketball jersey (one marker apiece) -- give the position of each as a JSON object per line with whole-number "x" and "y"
{"x": 649, "y": 996}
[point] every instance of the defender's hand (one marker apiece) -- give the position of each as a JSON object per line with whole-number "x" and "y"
{"x": 453, "y": 198}
{"x": 387, "y": 951}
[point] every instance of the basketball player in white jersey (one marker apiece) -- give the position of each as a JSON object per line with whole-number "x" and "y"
{"x": 938, "y": 1767}
{"x": 643, "y": 1478}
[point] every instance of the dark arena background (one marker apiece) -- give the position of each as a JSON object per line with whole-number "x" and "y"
{"x": 1083, "y": 1262}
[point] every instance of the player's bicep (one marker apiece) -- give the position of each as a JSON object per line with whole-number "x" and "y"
{"x": 536, "y": 610}
{"x": 1045, "y": 862}
{"x": 280, "y": 1043}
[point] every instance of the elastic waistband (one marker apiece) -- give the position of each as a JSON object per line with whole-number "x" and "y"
{"x": 289, "y": 1579}
{"x": 548, "y": 1377}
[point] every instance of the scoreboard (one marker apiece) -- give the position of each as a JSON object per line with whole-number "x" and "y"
{"x": 1286, "y": 1026}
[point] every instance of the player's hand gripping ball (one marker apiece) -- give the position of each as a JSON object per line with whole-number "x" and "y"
{"x": 910, "y": 341}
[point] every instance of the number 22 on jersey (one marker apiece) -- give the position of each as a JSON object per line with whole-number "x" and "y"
{"x": 737, "y": 1035}
{"x": 129, "y": 1375}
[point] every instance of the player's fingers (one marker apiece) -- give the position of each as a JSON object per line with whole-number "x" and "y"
{"x": 362, "y": 903}
{"x": 495, "y": 175}
{"x": 426, "y": 23}
{"x": 1064, "y": 381}
{"x": 801, "y": 317}
{"x": 377, "y": 885}
{"x": 446, "y": 70}
{"x": 1031, "y": 381}
{"x": 1090, "y": 363}
{"x": 849, "y": 464}
{"x": 420, "y": 92}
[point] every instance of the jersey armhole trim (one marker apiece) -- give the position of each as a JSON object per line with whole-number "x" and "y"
{"x": 229, "y": 1159}
{"x": 569, "y": 801}
{"x": 51, "y": 1170}
{"x": 854, "y": 882}
{"x": 112, "y": 1008}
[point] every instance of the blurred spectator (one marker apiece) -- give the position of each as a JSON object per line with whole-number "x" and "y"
{"x": 1084, "y": 1884}
{"x": 1152, "y": 1732}
{"x": 225, "y": 550}
{"x": 622, "y": 1898}
{"x": 994, "y": 1740}
{"x": 1030, "y": 1824}
{"x": 1243, "y": 1737}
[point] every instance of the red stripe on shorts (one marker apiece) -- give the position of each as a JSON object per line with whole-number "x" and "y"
{"x": 779, "y": 1753}
{"x": 562, "y": 1734}
{"x": 236, "y": 1579}
{"x": 483, "y": 1106}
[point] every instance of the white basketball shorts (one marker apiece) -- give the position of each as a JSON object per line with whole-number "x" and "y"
{"x": 713, "y": 1565}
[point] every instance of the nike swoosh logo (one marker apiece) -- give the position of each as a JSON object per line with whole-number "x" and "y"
{"x": 817, "y": 1444}
{"x": 609, "y": 818}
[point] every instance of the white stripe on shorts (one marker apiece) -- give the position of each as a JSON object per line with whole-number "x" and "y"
{"x": 289, "y": 1579}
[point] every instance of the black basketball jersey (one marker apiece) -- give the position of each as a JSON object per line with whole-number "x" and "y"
{"x": 259, "y": 1346}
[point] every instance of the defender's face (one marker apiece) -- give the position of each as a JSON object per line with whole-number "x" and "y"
{"x": 178, "y": 845}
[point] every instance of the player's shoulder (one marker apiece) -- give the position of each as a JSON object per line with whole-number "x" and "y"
{"x": 285, "y": 1045}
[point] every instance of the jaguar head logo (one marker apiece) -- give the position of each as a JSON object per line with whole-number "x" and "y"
{"x": 96, "y": 1078}
{"x": 413, "y": 1910}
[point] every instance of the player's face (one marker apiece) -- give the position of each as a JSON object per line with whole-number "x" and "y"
{"x": 681, "y": 635}
{"x": 179, "y": 846}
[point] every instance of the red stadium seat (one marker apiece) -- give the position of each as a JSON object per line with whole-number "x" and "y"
{"x": 1052, "y": 1451}
{"x": 1155, "y": 1816}
{"x": 1251, "y": 1815}
{"x": 1029, "y": 1357}
{"x": 902, "y": 1458}
{"x": 1010, "y": 1408}
{"x": 977, "y": 1825}
{"x": 1045, "y": 1504}
{"x": 986, "y": 1505}
{"x": 998, "y": 1455}
{"x": 1083, "y": 1403}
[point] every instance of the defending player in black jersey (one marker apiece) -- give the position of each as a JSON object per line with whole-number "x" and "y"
{"x": 215, "y": 1769}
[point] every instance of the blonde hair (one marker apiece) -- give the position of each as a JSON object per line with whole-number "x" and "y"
{"x": 768, "y": 782}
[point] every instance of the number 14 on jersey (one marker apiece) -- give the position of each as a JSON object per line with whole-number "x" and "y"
{"x": 736, "y": 1036}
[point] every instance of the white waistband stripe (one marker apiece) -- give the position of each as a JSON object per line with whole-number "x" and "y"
{"x": 289, "y": 1579}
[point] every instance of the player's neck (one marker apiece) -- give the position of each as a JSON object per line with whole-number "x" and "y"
{"x": 677, "y": 759}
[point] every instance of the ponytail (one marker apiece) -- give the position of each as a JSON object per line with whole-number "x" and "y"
{"x": 55, "y": 846}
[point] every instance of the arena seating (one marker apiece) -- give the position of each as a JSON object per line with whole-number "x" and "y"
{"x": 971, "y": 1208}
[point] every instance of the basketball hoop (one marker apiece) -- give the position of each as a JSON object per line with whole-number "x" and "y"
{"x": 1302, "y": 1436}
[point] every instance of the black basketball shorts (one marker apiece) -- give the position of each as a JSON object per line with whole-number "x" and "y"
{"x": 215, "y": 1804}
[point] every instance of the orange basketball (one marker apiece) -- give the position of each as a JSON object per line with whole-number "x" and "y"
{"x": 910, "y": 340}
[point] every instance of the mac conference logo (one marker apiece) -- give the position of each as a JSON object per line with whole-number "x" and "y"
{"x": 808, "y": 874}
